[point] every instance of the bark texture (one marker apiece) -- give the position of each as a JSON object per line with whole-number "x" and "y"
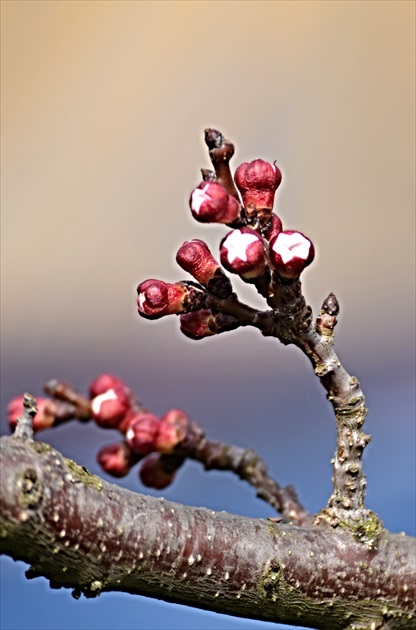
{"x": 85, "y": 534}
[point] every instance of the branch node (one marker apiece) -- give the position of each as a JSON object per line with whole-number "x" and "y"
{"x": 330, "y": 305}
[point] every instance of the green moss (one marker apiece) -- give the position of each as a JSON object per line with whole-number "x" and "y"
{"x": 80, "y": 473}
{"x": 366, "y": 531}
{"x": 83, "y": 475}
{"x": 41, "y": 447}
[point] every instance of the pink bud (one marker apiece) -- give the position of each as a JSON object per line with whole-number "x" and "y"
{"x": 104, "y": 382}
{"x": 158, "y": 298}
{"x": 211, "y": 203}
{"x": 195, "y": 257}
{"x": 153, "y": 474}
{"x": 198, "y": 324}
{"x": 274, "y": 227}
{"x": 169, "y": 436}
{"x": 177, "y": 417}
{"x": 116, "y": 459}
{"x": 290, "y": 253}
{"x": 204, "y": 323}
{"x": 44, "y": 418}
{"x": 142, "y": 433}
{"x": 109, "y": 409}
{"x": 257, "y": 182}
{"x": 242, "y": 252}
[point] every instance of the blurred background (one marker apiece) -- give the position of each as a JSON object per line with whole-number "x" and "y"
{"x": 103, "y": 110}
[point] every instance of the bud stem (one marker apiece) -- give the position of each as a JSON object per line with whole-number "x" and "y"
{"x": 221, "y": 152}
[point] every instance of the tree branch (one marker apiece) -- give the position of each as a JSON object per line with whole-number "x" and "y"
{"x": 83, "y": 533}
{"x": 213, "y": 455}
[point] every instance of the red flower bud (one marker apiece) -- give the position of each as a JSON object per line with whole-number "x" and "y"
{"x": 257, "y": 182}
{"x": 142, "y": 433}
{"x": 44, "y": 418}
{"x": 211, "y": 203}
{"x": 153, "y": 474}
{"x": 195, "y": 257}
{"x": 158, "y": 298}
{"x": 109, "y": 409}
{"x": 274, "y": 227}
{"x": 204, "y": 323}
{"x": 290, "y": 253}
{"x": 177, "y": 417}
{"x": 198, "y": 324}
{"x": 242, "y": 252}
{"x": 104, "y": 382}
{"x": 169, "y": 436}
{"x": 116, "y": 459}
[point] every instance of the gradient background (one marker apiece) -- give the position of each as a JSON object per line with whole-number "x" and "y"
{"x": 103, "y": 110}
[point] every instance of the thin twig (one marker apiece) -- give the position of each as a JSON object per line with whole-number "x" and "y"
{"x": 24, "y": 427}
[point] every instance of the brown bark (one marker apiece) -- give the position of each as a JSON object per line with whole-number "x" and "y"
{"x": 83, "y": 533}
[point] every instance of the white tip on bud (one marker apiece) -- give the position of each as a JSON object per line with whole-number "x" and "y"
{"x": 99, "y": 400}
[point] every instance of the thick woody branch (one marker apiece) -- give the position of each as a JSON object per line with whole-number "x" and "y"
{"x": 85, "y": 534}
{"x": 213, "y": 455}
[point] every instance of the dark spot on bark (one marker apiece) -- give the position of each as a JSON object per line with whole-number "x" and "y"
{"x": 31, "y": 490}
{"x": 272, "y": 579}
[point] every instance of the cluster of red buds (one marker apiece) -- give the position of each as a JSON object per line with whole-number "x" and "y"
{"x": 257, "y": 249}
{"x": 112, "y": 406}
{"x": 156, "y": 443}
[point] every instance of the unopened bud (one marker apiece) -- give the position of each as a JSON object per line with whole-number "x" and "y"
{"x": 173, "y": 428}
{"x": 177, "y": 417}
{"x": 290, "y": 253}
{"x": 169, "y": 436}
{"x": 211, "y": 203}
{"x": 195, "y": 258}
{"x": 45, "y": 416}
{"x": 153, "y": 474}
{"x": 242, "y": 252}
{"x": 142, "y": 433}
{"x": 109, "y": 409}
{"x": 116, "y": 459}
{"x": 204, "y": 323}
{"x": 331, "y": 305}
{"x": 104, "y": 382}
{"x": 158, "y": 298}
{"x": 257, "y": 182}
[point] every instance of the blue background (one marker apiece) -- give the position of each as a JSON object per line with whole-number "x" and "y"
{"x": 103, "y": 108}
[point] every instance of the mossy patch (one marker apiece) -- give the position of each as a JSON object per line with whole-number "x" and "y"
{"x": 83, "y": 475}
{"x": 366, "y": 531}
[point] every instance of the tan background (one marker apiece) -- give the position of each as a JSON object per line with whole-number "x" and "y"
{"x": 103, "y": 109}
